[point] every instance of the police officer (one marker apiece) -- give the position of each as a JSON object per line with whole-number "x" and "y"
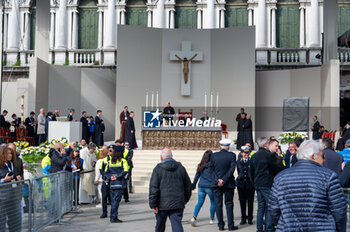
{"x": 116, "y": 172}
{"x": 222, "y": 167}
{"x": 126, "y": 155}
{"x": 245, "y": 187}
{"x": 105, "y": 184}
{"x": 130, "y": 163}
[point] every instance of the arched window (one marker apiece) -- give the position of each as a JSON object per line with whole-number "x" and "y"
{"x": 88, "y": 25}
{"x": 343, "y": 17}
{"x": 287, "y": 24}
{"x": 32, "y": 25}
{"x": 185, "y": 14}
{"x": 136, "y": 13}
{"x": 236, "y": 13}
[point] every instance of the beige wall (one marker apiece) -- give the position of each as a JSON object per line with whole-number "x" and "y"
{"x": 320, "y": 84}
{"x": 228, "y": 67}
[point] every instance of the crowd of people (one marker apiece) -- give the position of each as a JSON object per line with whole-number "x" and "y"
{"x": 37, "y": 128}
{"x": 300, "y": 190}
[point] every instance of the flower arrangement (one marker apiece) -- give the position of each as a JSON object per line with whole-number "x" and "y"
{"x": 287, "y": 137}
{"x": 34, "y": 154}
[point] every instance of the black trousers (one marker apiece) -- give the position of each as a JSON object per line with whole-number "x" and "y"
{"x": 105, "y": 195}
{"x": 130, "y": 180}
{"x": 246, "y": 195}
{"x": 218, "y": 198}
{"x": 175, "y": 219}
{"x": 76, "y": 183}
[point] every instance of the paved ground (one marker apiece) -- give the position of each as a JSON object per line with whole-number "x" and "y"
{"x": 139, "y": 218}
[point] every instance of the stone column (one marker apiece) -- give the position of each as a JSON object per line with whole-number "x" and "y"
{"x": 261, "y": 24}
{"x": 315, "y": 24}
{"x": 222, "y": 18}
{"x": 199, "y": 19}
{"x": 302, "y": 26}
{"x": 149, "y": 18}
{"x": 273, "y": 26}
{"x": 110, "y": 29}
{"x": 111, "y": 25}
{"x": 5, "y": 30}
{"x": 100, "y": 28}
{"x": 14, "y": 27}
{"x": 211, "y": 14}
{"x": 75, "y": 30}
{"x": 172, "y": 18}
{"x": 70, "y": 27}
{"x": 250, "y": 16}
{"x": 26, "y": 38}
{"x": 122, "y": 17}
{"x": 61, "y": 42}
{"x": 161, "y": 13}
{"x": 52, "y": 29}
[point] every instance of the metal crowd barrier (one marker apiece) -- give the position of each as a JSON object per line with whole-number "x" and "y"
{"x": 347, "y": 197}
{"x": 31, "y": 205}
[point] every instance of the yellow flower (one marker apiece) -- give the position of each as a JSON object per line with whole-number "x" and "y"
{"x": 299, "y": 136}
{"x": 284, "y": 135}
{"x": 28, "y": 149}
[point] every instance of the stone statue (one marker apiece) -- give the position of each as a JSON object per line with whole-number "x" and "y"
{"x": 186, "y": 69}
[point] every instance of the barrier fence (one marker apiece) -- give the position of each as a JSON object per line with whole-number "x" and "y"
{"x": 31, "y": 205}
{"x": 347, "y": 197}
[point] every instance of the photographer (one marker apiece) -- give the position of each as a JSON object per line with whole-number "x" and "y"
{"x": 10, "y": 195}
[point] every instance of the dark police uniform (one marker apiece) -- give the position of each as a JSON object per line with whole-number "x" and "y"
{"x": 245, "y": 189}
{"x": 119, "y": 170}
{"x": 105, "y": 186}
{"x": 222, "y": 166}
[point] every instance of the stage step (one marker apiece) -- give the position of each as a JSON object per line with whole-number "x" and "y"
{"x": 146, "y": 160}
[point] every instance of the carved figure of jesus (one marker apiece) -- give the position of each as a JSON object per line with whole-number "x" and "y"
{"x": 186, "y": 66}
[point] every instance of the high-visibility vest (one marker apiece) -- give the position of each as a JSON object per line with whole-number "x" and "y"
{"x": 46, "y": 164}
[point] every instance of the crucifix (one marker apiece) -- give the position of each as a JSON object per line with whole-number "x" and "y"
{"x": 186, "y": 57}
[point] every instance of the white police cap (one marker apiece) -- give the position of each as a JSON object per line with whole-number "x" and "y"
{"x": 225, "y": 142}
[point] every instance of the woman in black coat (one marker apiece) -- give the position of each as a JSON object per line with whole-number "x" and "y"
{"x": 10, "y": 194}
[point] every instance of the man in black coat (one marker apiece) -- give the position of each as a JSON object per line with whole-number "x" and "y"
{"x": 168, "y": 113}
{"x": 85, "y": 126}
{"x": 315, "y": 129}
{"x": 169, "y": 191}
{"x": 58, "y": 158}
{"x": 265, "y": 165}
{"x": 291, "y": 155}
{"x": 130, "y": 131}
{"x": 3, "y": 122}
{"x": 222, "y": 167}
{"x": 70, "y": 115}
{"x": 245, "y": 187}
{"x": 332, "y": 160}
{"x": 29, "y": 122}
{"x": 99, "y": 128}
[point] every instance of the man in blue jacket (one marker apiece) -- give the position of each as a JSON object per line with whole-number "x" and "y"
{"x": 313, "y": 199}
{"x": 222, "y": 167}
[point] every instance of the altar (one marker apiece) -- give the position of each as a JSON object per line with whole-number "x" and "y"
{"x": 181, "y": 138}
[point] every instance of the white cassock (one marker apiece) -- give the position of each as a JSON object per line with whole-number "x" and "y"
{"x": 87, "y": 187}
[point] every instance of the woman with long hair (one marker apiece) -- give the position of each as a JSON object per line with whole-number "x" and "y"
{"x": 75, "y": 164}
{"x": 116, "y": 172}
{"x": 10, "y": 194}
{"x": 98, "y": 174}
{"x": 204, "y": 187}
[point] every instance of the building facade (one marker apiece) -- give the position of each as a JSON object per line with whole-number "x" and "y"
{"x": 289, "y": 33}
{"x": 81, "y": 29}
